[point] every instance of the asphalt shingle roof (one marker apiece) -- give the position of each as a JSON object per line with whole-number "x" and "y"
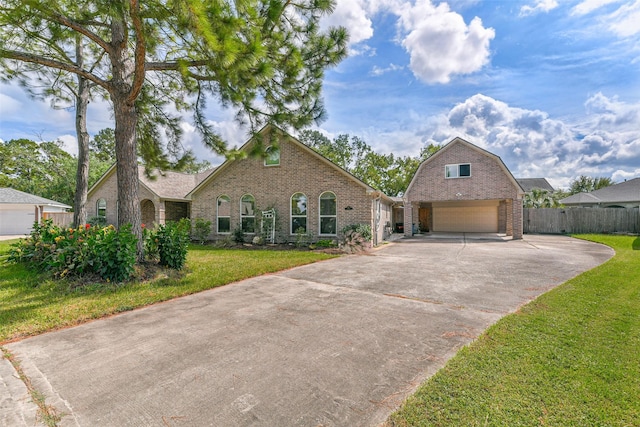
{"x": 624, "y": 192}
{"x": 529, "y": 184}
{"x": 16, "y": 197}
{"x": 172, "y": 185}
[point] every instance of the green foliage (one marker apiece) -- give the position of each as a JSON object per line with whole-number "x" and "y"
{"x": 538, "y": 198}
{"x": 150, "y": 239}
{"x": 325, "y": 243}
{"x": 98, "y": 221}
{"x": 238, "y": 235}
{"x": 201, "y": 230}
{"x": 78, "y": 251}
{"x": 586, "y": 184}
{"x": 386, "y": 172}
{"x": 173, "y": 242}
{"x": 302, "y": 238}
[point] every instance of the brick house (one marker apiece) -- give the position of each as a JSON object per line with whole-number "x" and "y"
{"x": 463, "y": 188}
{"x": 162, "y": 198}
{"x": 308, "y": 193}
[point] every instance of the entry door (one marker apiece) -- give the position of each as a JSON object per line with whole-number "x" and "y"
{"x": 424, "y": 215}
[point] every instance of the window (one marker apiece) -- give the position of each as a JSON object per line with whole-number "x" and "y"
{"x": 273, "y": 156}
{"x": 248, "y": 213}
{"x": 462, "y": 170}
{"x": 101, "y": 208}
{"x": 224, "y": 214}
{"x": 298, "y": 213}
{"x": 328, "y": 214}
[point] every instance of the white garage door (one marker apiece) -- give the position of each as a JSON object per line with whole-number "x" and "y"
{"x": 469, "y": 219}
{"x": 16, "y": 220}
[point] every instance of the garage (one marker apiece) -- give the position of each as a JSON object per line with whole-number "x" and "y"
{"x": 16, "y": 219}
{"x": 469, "y": 217}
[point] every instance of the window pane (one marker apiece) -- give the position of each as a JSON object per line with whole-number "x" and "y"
{"x": 102, "y": 208}
{"x": 451, "y": 171}
{"x": 248, "y": 225}
{"x": 328, "y": 204}
{"x": 273, "y": 156}
{"x": 224, "y": 225}
{"x": 465, "y": 170}
{"x": 299, "y": 204}
{"x": 298, "y": 224}
{"x": 328, "y": 225}
{"x": 224, "y": 206}
{"x": 247, "y": 205}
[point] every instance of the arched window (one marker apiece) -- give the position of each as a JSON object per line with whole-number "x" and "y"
{"x": 101, "y": 208}
{"x": 273, "y": 156}
{"x": 328, "y": 214}
{"x": 248, "y": 213}
{"x": 223, "y": 214}
{"x": 298, "y": 213}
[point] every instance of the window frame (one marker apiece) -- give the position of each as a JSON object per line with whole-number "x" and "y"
{"x": 101, "y": 199}
{"x": 268, "y": 157}
{"x": 322, "y": 216}
{"x": 456, "y": 167}
{"x": 218, "y": 216}
{"x": 244, "y": 216}
{"x": 292, "y": 216}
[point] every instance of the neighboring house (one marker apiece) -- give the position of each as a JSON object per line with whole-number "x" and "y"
{"x": 623, "y": 195}
{"x": 162, "y": 198}
{"x": 529, "y": 184}
{"x": 19, "y": 210}
{"x": 309, "y": 194}
{"x": 463, "y": 188}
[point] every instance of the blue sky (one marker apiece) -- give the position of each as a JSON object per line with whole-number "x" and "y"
{"x": 551, "y": 86}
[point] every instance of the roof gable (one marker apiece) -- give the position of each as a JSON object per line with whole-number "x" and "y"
{"x": 246, "y": 148}
{"x": 459, "y": 141}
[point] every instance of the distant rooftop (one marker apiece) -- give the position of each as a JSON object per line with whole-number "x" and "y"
{"x": 624, "y": 192}
{"x": 529, "y": 184}
{"x": 16, "y": 197}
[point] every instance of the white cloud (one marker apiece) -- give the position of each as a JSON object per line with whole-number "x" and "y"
{"x": 541, "y": 6}
{"x": 588, "y": 6}
{"x": 378, "y": 71}
{"x": 625, "y": 22}
{"x": 440, "y": 44}
{"x": 351, "y": 14}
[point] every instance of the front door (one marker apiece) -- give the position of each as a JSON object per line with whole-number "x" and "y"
{"x": 424, "y": 215}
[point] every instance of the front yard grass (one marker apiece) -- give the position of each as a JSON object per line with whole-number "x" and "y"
{"x": 31, "y": 303}
{"x": 569, "y": 358}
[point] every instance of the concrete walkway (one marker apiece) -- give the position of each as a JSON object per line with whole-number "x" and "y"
{"x": 336, "y": 343}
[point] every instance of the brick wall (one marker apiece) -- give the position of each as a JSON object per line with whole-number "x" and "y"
{"x": 488, "y": 181}
{"x": 108, "y": 190}
{"x": 273, "y": 186}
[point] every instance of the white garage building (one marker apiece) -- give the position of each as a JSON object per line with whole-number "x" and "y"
{"x": 19, "y": 210}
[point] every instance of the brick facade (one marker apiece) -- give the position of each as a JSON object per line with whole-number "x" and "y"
{"x": 299, "y": 171}
{"x": 489, "y": 181}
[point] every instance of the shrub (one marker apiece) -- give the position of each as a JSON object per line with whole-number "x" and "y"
{"x": 173, "y": 242}
{"x": 238, "y": 235}
{"x": 97, "y": 221}
{"x": 150, "y": 241}
{"x": 201, "y": 230}
{"x": 77, "y": 251}
{"x": 357, "y": 237}
{"x": 325, "y": 243}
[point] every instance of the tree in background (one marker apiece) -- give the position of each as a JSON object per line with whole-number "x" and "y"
{"x": 264, "y": 59}
{"x": 385, "y": 172}
{"x": 45, "y": 169}
{"x": 586, "y": 184}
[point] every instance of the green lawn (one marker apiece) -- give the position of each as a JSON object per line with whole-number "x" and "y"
{"x": 32, "y": 303}
{"x": 569, "y": 358}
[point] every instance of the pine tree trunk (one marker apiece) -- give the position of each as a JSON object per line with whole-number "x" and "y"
{"x": 82, "y": 173}
{"x": 126, "y": 118}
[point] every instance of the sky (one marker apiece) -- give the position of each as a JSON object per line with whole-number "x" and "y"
{"x": 550, "y": 86}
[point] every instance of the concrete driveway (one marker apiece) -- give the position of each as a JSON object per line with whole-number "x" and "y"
{"x": 336, "y": 343}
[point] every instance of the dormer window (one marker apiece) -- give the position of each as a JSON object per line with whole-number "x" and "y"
{"x": 461, "y": 170}
{"x": 273, "y": 156}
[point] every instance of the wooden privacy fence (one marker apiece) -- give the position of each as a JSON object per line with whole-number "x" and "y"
{"x": 581, "y": 220}
{"x": 61, "y": 219}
